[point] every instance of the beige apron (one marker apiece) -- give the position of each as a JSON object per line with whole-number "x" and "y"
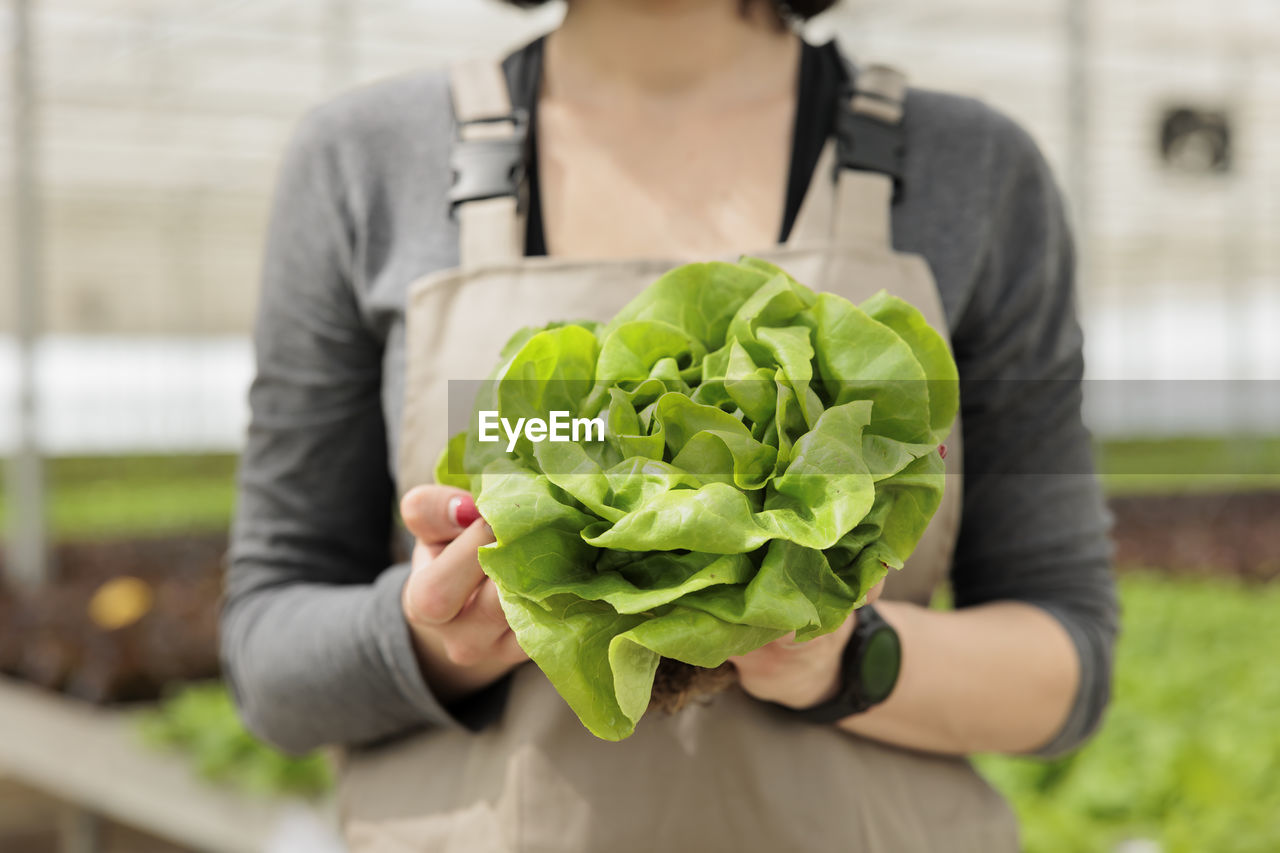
{"x": 729, "y": 775}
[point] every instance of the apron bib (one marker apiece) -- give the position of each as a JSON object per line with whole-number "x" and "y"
{"x": 731, "y": 773}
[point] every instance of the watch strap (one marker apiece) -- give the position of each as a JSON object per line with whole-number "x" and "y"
{"x": 850, "y": 697}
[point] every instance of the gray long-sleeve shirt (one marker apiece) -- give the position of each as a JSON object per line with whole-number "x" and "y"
{"x": 314, "y": 645}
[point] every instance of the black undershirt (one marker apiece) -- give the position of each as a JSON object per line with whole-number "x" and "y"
{"x": 821, "y": 78}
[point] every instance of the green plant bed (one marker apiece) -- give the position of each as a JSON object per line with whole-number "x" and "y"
{"x": 1164, "y": 466}
{"x": 155, "y": 495}
{"x": 128, "y": 496}
{"x": 1190, "y": 751}
{"x": 200, "y": 722}
{"x": 1189, "y": 755}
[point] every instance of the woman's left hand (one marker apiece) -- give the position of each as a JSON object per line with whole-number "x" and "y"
{"x": 798, "y": 675}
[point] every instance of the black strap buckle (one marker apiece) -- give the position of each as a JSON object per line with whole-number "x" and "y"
{"x": 489, "y": 168}
{"x": 868, "y": 144}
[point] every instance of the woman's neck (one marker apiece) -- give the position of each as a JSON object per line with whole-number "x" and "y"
{"x": 669, "y": 54}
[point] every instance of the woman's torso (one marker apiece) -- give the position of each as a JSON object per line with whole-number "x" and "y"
{"x": 390, "y": 152}
{"x": 533, "y": 780}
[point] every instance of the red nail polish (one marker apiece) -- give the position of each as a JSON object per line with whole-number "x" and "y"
{"x": 463, "y": 511}
{"x": 942, "y": 451}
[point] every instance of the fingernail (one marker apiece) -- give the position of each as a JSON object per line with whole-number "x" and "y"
{"x": 942, "y": 451}
{"x": 462, "y": 511}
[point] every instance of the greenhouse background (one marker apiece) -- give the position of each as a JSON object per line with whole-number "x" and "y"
{"x": 140, "y": 144}
{"x": 160, "y": 124}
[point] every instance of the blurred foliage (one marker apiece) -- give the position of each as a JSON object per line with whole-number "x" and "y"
{"x": 1159, "y": 466}
{"x": 92, "y": 497}
{"x": 126, "y": 496}
{"x": 1189, "y": 755}
{"x": 201, "y": 723}
{"x": 1190, "y": 751}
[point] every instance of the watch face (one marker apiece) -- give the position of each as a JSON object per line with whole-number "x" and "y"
{"x": 881, "y": 659}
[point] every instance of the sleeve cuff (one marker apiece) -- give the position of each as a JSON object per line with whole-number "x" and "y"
{"x": 1092, "y": 692}
{"x": 395, "y": 644}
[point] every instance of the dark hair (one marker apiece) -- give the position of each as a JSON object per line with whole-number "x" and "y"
{"x": 801, "y": 10}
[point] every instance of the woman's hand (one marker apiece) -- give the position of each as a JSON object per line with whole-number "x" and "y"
{"x": 459, "y": 630}
{"x": 798, "y": 675}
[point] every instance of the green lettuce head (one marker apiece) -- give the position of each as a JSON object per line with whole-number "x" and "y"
{"x": 768, "y": 454}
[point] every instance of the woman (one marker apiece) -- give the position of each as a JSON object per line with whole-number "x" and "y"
{"x": 657, "y": 130}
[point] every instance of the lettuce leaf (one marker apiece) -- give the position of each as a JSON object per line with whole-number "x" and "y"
{"x": 770, "y": 453}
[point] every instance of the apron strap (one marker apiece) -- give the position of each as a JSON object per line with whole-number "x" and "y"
{"x": 870, "y": 147}
{"x": 488, "y": 165}
{"x": 813, "y": 222}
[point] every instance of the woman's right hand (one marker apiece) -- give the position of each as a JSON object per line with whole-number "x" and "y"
{"x": 459, "y": 631}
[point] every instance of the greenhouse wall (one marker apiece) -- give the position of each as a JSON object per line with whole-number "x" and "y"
{"x": 162, "y": 123}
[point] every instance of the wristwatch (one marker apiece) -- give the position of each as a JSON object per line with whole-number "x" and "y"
{"x": 868, "y": 670}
